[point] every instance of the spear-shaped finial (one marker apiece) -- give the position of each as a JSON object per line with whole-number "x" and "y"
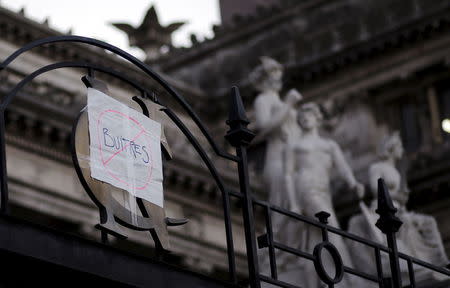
{"x": 387, "y": 222}
{"x": 238, "y": 134}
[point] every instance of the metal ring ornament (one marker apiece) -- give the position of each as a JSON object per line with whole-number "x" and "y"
{"x": 319, "y": 265}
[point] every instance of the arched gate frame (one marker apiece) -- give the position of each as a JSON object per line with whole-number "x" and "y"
{"x": 239, "y": 137}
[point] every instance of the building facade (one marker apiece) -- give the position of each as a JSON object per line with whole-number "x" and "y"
{"x": 374, "y": 67}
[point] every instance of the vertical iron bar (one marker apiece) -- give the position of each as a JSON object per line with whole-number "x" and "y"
{"x": 90, "y": 72}
{"x": 239, "y": 136}
{"x": 104, "y": 236}
{"x": 323, "y": 218}
{"x": 394, "y": 260}
{"x": 324, "y": 234}
{"x": 3, "y": 172}
{"x": 387, "y": 282}
{"x": 229, "y": 237}
{"x": 412, "y": 278}
{"x": 249, "y": 222}
{"x": 379, "y": 267}
{"x": 389, "y": 224}
{"x": 273, "y": 263}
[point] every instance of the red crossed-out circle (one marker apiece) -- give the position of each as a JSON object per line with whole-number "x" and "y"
{"x": 106, "y": 161}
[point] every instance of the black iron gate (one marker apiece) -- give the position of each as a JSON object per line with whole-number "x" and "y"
{"x": 239, "y": 137}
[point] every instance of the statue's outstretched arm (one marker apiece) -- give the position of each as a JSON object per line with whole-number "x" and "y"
{"x": 345, "y": 171}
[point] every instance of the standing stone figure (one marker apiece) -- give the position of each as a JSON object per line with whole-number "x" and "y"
{"x": 309, "y": 163}
{"x": 276, "y": 123}
{"x": 418, "y": 236}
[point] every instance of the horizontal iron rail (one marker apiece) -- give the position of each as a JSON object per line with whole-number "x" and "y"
{"x": 311, "y": 257}
{"x": 316, "y": 223}
{"x": 294, "y": 251}
{"x": 419, "y": 262}
{"x": 412, "y": 277}
{"x": 277, "y": 282}
{"x": 361, "y": 274}
{"x": 378, "y": 247}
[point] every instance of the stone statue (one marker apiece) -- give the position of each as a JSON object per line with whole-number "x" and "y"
{"x": 276, "y": 123}
{"x": 418, "y": 236}
{"x": 309, "y": 162}
{"x": 150, "y": 36}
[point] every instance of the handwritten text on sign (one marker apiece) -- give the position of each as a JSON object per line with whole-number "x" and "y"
{"x": 124, "y": 147}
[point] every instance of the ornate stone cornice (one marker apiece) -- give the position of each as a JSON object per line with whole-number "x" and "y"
{"x": 313, "y": 50}
{"x": 19, "y": 30}
{"x": 240, "y": 31}
{"x": 253, "y": 26}
{"x": 404, "y": 33}
{"x": 408, "y": 35}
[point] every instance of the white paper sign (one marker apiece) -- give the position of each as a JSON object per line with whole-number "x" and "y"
{"x": 124, "y": 147}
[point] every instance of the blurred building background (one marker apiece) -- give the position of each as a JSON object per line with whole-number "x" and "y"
{"x": 374, "y": 66}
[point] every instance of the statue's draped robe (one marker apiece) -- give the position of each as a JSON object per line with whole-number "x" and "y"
{"x": 266, "y": 106}
{"x": 418, "y": 237}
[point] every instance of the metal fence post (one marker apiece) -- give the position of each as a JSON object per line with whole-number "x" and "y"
{"x": 3, "y": 173}
{"x": 239, "y": 136}
{"x": 389, "y": 224}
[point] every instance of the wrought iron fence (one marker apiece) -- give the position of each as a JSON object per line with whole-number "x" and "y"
{"x": 239, "y": 136}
